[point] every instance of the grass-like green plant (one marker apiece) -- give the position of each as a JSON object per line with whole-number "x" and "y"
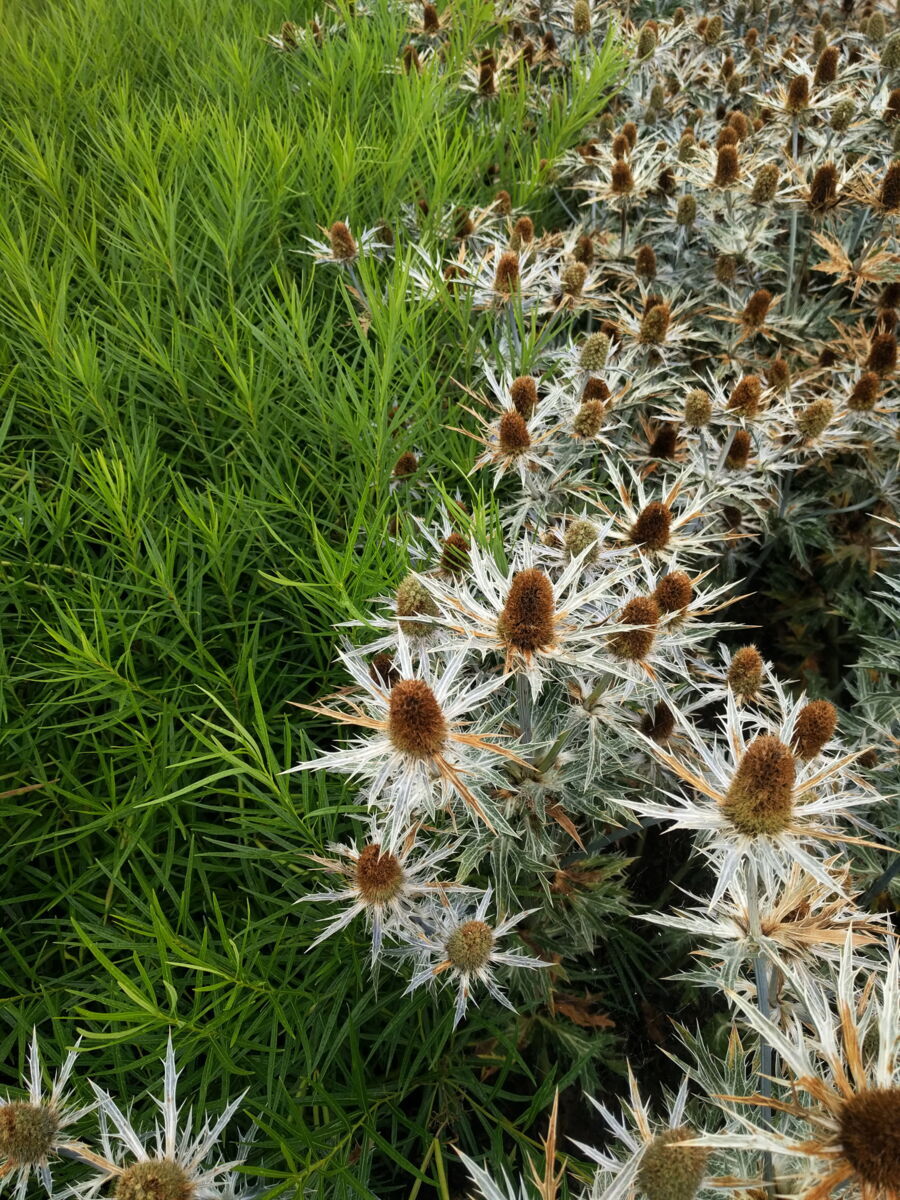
{"x": 197, "y": 442}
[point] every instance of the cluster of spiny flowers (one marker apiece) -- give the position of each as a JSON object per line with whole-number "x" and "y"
{"x": 165, "y": 1162}
{"x": 704, "y": 362}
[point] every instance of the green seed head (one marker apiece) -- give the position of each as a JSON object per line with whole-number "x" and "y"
{"x": 581, "y": 18}
{"x": 594, "y": 352}
{"x": 698, "y": 408}
{"x": 469, "y": 946}
{"x": 670, "y": 1173}
{"x": 26, "y": 1132}
{"x": 815, "y": 418}
{"x": 413, "y": 600}
{"x": 578, "y": 537}
{"x": 890, "y": 54}
{"x": 746, "y": 671}
{"x": 155, "y": 1179}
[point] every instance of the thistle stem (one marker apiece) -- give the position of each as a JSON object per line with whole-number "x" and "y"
{"x": 523, "y": 706}
{"x": 766, "y": 1055}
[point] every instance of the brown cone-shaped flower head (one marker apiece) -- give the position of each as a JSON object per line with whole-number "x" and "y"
{"x": 572, "y": 278}
{"x": 342, "y": 243}
{"x": 760, "y": 799}
{"x": 383, "y": 672}
{"x": 757, "y": 309}
{"x": 664, "y": 442}
{"x": 823, "y": 193}
{"x": 865, "y": 392}
{"x": 154, "y": 1179}
{"x": 594, "y": 351}
{"x": 869, "y": 1130}
{"x": 469, "y": 946}
{"x": 645, "y": 262}
{"x": 814, "y": 728}
{"x": 739, "y": 451}
{"x": 797, "y": 94}
{"x": 506, "y": 277}
{"x": 584, "y": 250}
{"x": 524, "y": 230}
{"x": 379, "y": 876}
{"x": 655, "y": 325}
{"x": 669, "y": 1173}
{"x": 746, "y": 396}
{"x": 633, "y": 645}
{"x": 621, "y": 178}
{"x": 595, "y": 389}
{"x": 430, "y": 20}
{"x": 674, "y": 591}
{"x": 416, "y": 724}
{"x": 523, "y": 393}
{"x": 527, "y": 622}
{"x": 27, "y": 1132}
{"x": 407, "y": 464}
{"x": 882, "y": 354}
{"x": 455, "y": 551}
{"x": 653, "y": 527}
{"x": 826, "y": 67}
{"x": 660, "y": 724}
{"x": 728, "y": 168}
{"x": 745, "y": 672}
{"x": 513, "y": 433}
{"x": 889, "y": 196}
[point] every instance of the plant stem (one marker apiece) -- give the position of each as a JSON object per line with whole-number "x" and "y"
{"x": 766, "y": 1056}
{"x": 523, "y": 706}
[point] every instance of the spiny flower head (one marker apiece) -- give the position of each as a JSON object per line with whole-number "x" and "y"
{"x": 632, "y": 645}
{"x": 594, "y": 352}
{"x": 760, "y": 799}
{"x": 670, "y": 1171}
{"x": 416, "y": 723}
{"x": 653, "y": 526}
{"x": 455, "y": 551}
{"x": 343, "y": 244}
{"x": 814, "y": 728}
{"x": 674, "y": 591}
{"x": 745, "y": 672}
{"x": 524, "y": 397}
{"x": 526, "y": 623}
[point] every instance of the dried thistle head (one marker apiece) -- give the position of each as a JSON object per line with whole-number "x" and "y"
{"x": 154, "y": 1179}
{"x": 664, "y": 442}
{"x": 826, "y": 66}
{"x": 633, "y": 645}
{"x": 739, "y": 451}
{"x": 652, "y": 527}
{"x": 407, "y": 464}
{"x": 757, "y": 309}
{"x": 814, "y": 728}
{"x": 655, "y": 325}
{"x": 645, "y": 262}
{"x": 823, "y": 193}
{"x": 378, "y": 875}
{"x": 412, "y": 599}
{"x": 660, "y": 724}
{"x": 647, "y": 41}
{"x": 27, "y": 1133}
{"x": 416, "y": 723}
{"x": 588, "y": 421}
{"x": 581, "y": 18}
{"x": 523, "y": 232}
{"x": 882, "y": 354}
{"x": 382, "y": 671}
{"x": 686, "y": 211}
{"x": 527, "y": 621}
{"x": 865, "y": 393}
{"x": 524, "y": 396}
{"x": 573, "y": 278}
{"x": 621, "y": 178}
{"x": 760, "y": 798}
{"x": 889, "y": 195}
{"x": 341, "y": 240}
{"x": 595, "y": 389}
{"x": 506, "y": 276}
{"x": 797, "y": 98}
{"x": 455, "y": 551}
{"x": 728, "y": 167}
{"x": 745, "y": 672}
{"x": 674, "y": 592}
{"x": 746, "y": 395}
{"x": 584, "y": 250}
